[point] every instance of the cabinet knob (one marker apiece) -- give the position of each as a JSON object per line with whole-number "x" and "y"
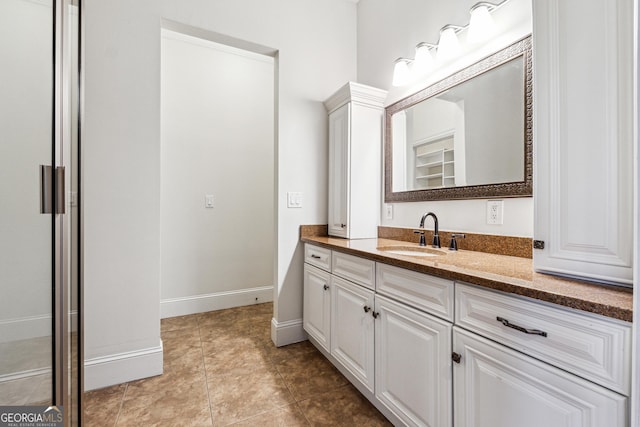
{"x": 456, "y": 357}
{"x": 366, "y": 308}
{"x": 326, "y": 287}
{"x": 375, "y": 314}
{"x": 343, "y": 225}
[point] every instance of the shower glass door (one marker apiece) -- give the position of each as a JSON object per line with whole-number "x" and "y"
{"x": 26, "y": 235}
{"x": 40, "y": 321}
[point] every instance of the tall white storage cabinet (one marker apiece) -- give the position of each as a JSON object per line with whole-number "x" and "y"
{"x": 355, "y": 167}
{"x": 583, "y": 138}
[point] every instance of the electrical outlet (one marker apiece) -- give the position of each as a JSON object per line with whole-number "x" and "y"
{"x": 495, "y": 210}
{"x": 388, "y": 209}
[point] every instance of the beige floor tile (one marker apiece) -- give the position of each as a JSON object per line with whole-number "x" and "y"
{"x": 221, "y": 368}
{"x": 238, "y": 397}
{"x": 309, "y": 375}
{"x": 185, "y": 404}
{"x": 176, "y": 381}
{"x": 179, "y": 323}
{"x": 344, "y": 406}
{"x": 280, "y": 354}
{"x": 101, "y": 407}
{"x": 287, "y": 416}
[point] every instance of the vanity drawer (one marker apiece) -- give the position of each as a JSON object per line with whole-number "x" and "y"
{"x": 318, "y": 256}
{"x": 422, "y": 291}
{"x": 358, "y": 270}
{"x": 591, "y": 346}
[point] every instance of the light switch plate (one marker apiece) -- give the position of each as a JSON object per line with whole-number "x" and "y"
{"x": 495, "y": 210}
{"x": 208, "y": 201}
{"x": 294, "y": 199}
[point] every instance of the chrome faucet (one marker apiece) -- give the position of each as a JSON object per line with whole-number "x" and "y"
{"x": 436, "y": 238}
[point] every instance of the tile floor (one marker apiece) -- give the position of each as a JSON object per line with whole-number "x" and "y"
{"x": 221, "y": 368}
{"x": 25, "y": 372}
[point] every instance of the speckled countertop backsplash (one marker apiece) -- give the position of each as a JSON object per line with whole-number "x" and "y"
{"x": 492, "y": 244}
{"x": 508, "y": 273}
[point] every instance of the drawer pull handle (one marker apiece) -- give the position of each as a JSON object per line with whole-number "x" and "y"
{"x": 366, "y": 308}
{"x": 508, "y": 324}
{"x": 316, "y": 256}
{"x": 326, "y": 287}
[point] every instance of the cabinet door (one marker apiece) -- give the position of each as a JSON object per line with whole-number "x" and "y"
{"x": 316, "y": 318}
{"x": 339, "y": 171}
{"x": 583, "y": 131}
{"x": 498, "y": 387}
{"x": 352, "y": 331}
{"x": 413, "y": 364}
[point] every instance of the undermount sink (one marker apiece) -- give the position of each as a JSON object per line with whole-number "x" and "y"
{"x": 408, "y": 250}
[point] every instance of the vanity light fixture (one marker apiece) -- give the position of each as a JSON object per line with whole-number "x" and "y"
{"x": 423, "y": 61}
{"x": 401, "y": 72}
{"x": 448, "y": 45}
{"x": 479, "y": 29}
{"x": 481, "y": 25}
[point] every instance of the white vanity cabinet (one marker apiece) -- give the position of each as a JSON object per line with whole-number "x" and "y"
{"x": 317, "y": 305}
{"x": 495, "y": 386}
{"x": 413, "y": 364}
{"x": 355, "y": 146}
{"x": 525, "y": 363}
{"x": 352, "y": 335}
{"x": 430, "y": 352}
{"x": 583, "y": 138}
{"x": 398, "y": 356}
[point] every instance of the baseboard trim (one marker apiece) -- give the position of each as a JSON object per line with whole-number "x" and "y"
{"x": 183, "y": 306}
{"x": 24, "y": 328}
{"x": 14, "y": 376}
{"x": 287, "y": 332}
{"x": 119, "y": 368}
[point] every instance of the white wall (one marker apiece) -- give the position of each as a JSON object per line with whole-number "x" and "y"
{"x": 316, "y": 45}
{"x": 388, "y": 30}
{"x": 217, "y": 126}
{"x": 25, "y": 121}
{"x": 121, "y": 191}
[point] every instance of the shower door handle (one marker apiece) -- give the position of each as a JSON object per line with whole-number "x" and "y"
{"x": 52, "y": 188}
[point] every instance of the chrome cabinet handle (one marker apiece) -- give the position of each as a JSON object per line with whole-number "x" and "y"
{"x": 508, "y": 324}
{"x": 315, "y": 256}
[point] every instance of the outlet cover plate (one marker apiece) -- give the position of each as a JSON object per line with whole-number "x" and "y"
{"x": 495, "y": 212}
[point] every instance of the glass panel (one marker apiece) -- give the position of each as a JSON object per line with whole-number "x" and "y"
{"x": 26, "y": 48}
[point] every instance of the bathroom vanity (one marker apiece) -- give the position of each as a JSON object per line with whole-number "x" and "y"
{"x": 467, "y": 338}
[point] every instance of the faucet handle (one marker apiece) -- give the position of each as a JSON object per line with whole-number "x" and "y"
{"x": 453, "y": 245}
{"x": 422, "y": 240}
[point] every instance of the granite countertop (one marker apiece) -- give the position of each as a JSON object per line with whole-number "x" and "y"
{"x": 504, "y": 273}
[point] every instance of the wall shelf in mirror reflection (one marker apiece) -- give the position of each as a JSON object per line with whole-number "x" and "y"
{"x": 467, "y": 136}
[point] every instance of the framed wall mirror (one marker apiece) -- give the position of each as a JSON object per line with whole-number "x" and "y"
{"x": 466, "y": 136}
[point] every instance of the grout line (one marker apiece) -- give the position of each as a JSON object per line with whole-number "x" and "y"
{"x": 204, "y": 367}
{"x": 126, "y": 387}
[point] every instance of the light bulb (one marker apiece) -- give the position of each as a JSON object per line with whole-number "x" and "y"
{"x": 423, "y": 61}
{"x": 401, "y": 72}
{"x": 448, "y": 45}
{"x": 481, "y": 24}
